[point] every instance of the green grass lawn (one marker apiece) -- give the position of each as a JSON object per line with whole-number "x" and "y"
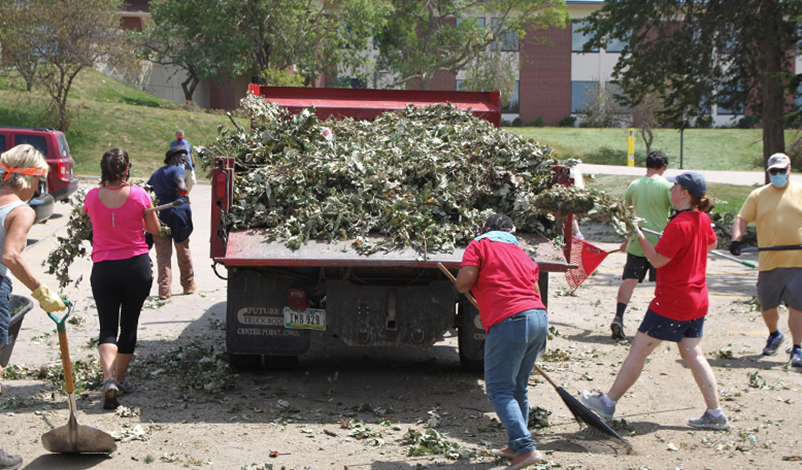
{"x": 704, "y": 149}
{"x": 111, "y": 114}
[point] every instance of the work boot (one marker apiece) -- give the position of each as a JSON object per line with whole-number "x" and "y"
{"x": 110, "y": 394}
{"x": 617, "y": 328}
{"x": 9, "y": 462}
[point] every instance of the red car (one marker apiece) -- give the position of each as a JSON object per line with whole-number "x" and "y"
{"x": 61, "y": 181}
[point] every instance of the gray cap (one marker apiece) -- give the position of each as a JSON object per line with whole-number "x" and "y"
{"x": 692, "y": 181}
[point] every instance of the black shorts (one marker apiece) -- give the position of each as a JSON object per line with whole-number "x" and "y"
{"x": 666, "y": 329}
{"x": 636, "y": 268}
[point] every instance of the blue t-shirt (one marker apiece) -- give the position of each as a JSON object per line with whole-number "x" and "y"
{"x": 163, "y": 183}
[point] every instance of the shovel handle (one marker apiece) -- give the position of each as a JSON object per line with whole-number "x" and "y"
{"x": 454, "y": 280}
{"x": 177, "y": 202}
{"x": 65, "y": 361}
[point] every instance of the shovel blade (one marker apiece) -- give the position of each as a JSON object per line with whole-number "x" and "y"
{"x": 78, "y": 439}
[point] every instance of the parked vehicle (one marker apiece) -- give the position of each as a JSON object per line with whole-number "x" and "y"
{"x": 42, "y": 204}
{"x": 61, "y": 180}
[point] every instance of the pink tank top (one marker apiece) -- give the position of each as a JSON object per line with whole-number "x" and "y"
{"x": 117, "y": 233}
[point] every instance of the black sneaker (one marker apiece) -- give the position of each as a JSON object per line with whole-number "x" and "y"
{"x": 772, "y": 344}
{"x": 617, "y": 328}
{"x": 9, "y": 462}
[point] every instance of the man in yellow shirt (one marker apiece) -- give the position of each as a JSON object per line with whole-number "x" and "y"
{"x": 776, "y": 210}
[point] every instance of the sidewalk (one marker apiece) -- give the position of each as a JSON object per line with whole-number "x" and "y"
{"x": 746, "y": 178}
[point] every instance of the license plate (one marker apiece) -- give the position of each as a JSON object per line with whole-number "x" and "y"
{"x": 310, "y": 319}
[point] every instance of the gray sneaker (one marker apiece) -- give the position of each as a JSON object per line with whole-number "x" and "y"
{"x": 596, "y": 403}
{"x": 708, "y": 421}
{"x": 9, "y": 462}
{"x": 126, "y": 387}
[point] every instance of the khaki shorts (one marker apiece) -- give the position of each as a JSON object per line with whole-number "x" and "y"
{"x": 780, "y": 285}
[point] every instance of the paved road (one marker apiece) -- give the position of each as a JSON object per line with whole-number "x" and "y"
{"x": 746, "y": 178}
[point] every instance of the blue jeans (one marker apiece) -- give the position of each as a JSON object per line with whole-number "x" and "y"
{"x": 5, "y": 314}
{"x": 511, "y": 348}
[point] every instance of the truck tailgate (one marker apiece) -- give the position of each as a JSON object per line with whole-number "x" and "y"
{"x": 253, "y": 248}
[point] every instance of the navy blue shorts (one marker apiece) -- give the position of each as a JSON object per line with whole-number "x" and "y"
{"x": 637, "y": 267}
{"x": 666, "y": 329}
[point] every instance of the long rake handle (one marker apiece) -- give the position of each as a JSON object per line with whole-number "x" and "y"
{"x": 454, "y": 280}
{"x": 771, "y": 248}
{"x": 548, "y": 379}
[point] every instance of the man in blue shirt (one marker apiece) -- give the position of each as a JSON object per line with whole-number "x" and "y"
{"x": 182, "y": 143}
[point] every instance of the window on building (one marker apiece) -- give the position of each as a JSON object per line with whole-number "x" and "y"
{"x": 722, "y": 111}
{"x": 508, "y": 41}
{"x": 616, "y": 45}
{"x": 578, "y": 39}
{"x": 797, "y": 100}
{"x": 459, "y": 85}
{"x": 513, "y": 106}
{"x": 581, "y": 91}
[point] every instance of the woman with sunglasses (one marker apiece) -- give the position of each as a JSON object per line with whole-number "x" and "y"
{"x": 122, "y": 273}
{"x": 21, "y": 170}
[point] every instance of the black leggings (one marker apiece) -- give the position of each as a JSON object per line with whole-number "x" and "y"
{"x": 120, "y": 288}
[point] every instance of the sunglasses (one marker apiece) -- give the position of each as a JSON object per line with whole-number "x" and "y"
{"x": 778, "y": 171}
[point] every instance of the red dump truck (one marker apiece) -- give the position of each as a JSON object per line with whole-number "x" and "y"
{"x": 279, "y": 299}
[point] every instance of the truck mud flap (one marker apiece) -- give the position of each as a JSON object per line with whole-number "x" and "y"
{"x": 255, "y": 317}
{"x": 390, "y": 315}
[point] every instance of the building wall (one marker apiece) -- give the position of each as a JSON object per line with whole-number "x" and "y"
{"x": 545, "y": 77}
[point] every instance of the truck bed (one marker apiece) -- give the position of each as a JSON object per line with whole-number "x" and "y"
{"x": 251, "y": 248}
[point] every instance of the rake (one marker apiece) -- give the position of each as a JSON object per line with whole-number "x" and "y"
{"x": 583, "y": 416}
{"x": 587, "y": 257}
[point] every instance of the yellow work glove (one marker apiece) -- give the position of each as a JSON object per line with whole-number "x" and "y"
{"x": 48, "y": 300}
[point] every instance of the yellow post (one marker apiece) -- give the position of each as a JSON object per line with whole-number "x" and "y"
{"x": 631, "y": 147}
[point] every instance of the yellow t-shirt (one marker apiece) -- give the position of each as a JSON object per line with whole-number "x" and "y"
{"x": 778, "y": 216}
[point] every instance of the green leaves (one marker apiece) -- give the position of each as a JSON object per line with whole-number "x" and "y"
{"x": 421, "y": 177}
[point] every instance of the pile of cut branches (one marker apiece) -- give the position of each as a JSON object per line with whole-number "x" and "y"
{"x": 421, "y": 177}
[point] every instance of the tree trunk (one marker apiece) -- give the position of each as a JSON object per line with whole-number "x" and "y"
{"x": 189, "y": 86}
{"x": 772, "y": 90}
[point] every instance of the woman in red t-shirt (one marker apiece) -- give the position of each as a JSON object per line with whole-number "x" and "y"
{"x": 680, "y": 303}
{"x": 503, "y": 279}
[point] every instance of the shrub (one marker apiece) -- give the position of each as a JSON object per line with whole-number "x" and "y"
{"x": 505, "y": 123}
{"x": 538, "y": 122}
{"x": 567, "y": 121}
{"x": 747, "y": 122}
{"x": 704, "y": 122}
{"x": 517, "y": 122}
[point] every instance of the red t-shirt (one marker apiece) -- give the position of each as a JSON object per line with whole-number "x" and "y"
{"x": 505, "y": 285}
{"x": 681, "y": 289}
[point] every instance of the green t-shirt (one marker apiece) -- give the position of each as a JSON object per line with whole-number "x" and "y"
{"x": 651, "y": 200}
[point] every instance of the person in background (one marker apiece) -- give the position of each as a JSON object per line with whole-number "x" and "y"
{"x": 169, "y": 185}
{"x": 21, "y": 170}
{"x": 189, "y": 166}
{"x": 776, "y": 209}
{"x": 579, "y": 182}
{"x": 122, "y": 273}
{"x": 650, "y": 198}
{"x": 677, "y": 312}
{"x": 504, "y": 280}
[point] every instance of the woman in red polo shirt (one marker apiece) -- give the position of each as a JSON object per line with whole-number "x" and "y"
{"x": 677, "y": 312}
{"x": 503, "y": 279}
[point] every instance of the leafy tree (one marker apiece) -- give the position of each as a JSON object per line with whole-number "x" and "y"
{"x": 210, "y": 39}
{"x": 697, "y": 53}
{"x": 18, "y": 51}
{"x": 422, "y": 38}
{"x": 199, "y": 37}
{"x": 65, "y": 36}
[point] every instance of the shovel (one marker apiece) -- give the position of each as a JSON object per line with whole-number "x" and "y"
{"x": 73, "y": 437}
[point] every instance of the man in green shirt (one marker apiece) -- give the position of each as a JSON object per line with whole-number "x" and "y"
{"x": 650, "y": 198}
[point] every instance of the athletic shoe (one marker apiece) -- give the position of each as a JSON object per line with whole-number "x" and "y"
{"x": 9, "y": 462}
{"x": 796, "y": 357}
{"x": 110, "y": 394}
{"x": 531, "y": 459}
{"x": 773, "y": 344}
{"x": 596, "y": 403}
{"x": 708, "y": 421}
{"x": 125, "y": 387}
{"x": 617, "y": 327}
